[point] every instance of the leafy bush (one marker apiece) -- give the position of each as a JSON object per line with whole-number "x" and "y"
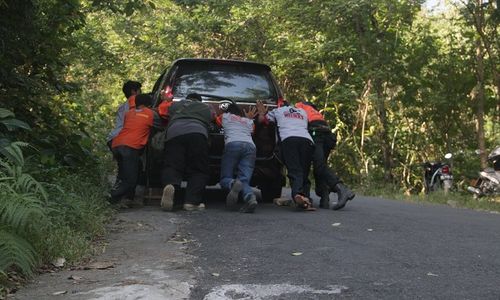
{"x": 22, "y": 212}
{"x": 45, "y": 213}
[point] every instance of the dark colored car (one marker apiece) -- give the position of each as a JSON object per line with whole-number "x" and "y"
{"x": 219, "y": 80}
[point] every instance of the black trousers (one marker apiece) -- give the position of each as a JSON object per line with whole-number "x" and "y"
{"x": 325, "y": 177}
{"x": 186, "y": 156}
{"x": 128, "y": 160}
{"x": 297, "y": 155}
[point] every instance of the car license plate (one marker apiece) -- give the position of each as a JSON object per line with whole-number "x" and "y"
{"x": 446, "y": 177}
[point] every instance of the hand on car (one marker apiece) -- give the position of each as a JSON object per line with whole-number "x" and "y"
{"x": 261, "y": 108}
{"x": 251, "y": 112}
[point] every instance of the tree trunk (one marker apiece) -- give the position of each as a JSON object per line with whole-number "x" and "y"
{"x": 479, "y": 94}
{"x": 384, "y": 138}
{"x": 487, "y": 41}
{"x": 497, "y": 83}
{"x": 364, "y": 115}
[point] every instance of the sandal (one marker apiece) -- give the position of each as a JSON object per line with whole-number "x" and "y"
{"x": 303, "y": 203}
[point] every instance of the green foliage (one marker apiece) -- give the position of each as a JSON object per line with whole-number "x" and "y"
{"x": 394, "y": 81}
{"x": 39, "y": 220}
{"x": 22, "y": 201}
{"x": 385, "y": 73}
{"x": 7, "y": 119}
{"x": 8, "y": 149}
{"x": 16, "y": 251}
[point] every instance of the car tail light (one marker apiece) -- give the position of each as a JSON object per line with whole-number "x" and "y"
{"x": 166, "y": 93}
{"x": 445, "y": 170}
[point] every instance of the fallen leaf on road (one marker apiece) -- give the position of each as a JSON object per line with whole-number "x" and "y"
{"x": 216, "y": 274}
{"x": 432, "y": 274}
{"x": 183, "y": 241}
{"x": 99, "y": 265}
{"x": 296, "y": 253}
{"x": 336, "y": 224}
{"x": 73, "y": 277}
{"x": 59, "y": 262}
{"x": 59, "y": 293}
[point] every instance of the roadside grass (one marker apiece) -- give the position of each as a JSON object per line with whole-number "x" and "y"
{"x": 61, "y": 213}
{"x": 79, "y": 212}
{"x": 452, "y": 198}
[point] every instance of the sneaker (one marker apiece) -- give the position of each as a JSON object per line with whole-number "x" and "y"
{"x": 167, "y": 199}
{"x": 249, "y": 205}
{"x": 232, "y": 196}
{"x": 193, "y": 207}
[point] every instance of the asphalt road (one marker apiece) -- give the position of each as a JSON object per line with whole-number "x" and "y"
{"x": 372, "y": 249}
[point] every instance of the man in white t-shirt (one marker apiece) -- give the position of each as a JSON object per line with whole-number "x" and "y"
{"x": 296, "y": 146}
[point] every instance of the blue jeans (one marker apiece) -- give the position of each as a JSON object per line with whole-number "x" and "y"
{"x": 239, "y": 159}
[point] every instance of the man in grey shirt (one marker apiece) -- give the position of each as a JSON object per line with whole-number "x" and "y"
{"x": 186, "y": 152}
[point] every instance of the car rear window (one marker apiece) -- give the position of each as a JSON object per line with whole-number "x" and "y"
{"x": 244, "y": 83}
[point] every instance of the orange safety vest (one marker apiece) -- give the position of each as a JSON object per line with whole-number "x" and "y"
{"x": 312, "y": 114}
{"x": 163, "y": 108}
{"x": 136, "y": 128}
{"x": 131, "y": 102}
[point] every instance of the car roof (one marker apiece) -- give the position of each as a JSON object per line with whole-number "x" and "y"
{"x": 220, "y": 61}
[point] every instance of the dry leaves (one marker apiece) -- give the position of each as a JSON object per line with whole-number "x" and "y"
{"x": 59, "y": 293}
{"x": 59, "y": 262}
{"x": 99, "y": 265}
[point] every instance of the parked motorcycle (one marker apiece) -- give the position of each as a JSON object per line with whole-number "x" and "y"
{"x": 437, "y": 175}
{"x": 488, "y": 183}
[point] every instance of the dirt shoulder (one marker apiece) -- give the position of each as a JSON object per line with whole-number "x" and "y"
{"x": 145, "y": 258}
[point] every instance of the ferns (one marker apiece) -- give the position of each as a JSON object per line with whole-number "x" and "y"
{"x": 40, "y": 221}
{"x": 13, "y": 152}
{"x": 16, "y": 251}
{"x": 21, "y": 211}
{"x": 22, "y": 201}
